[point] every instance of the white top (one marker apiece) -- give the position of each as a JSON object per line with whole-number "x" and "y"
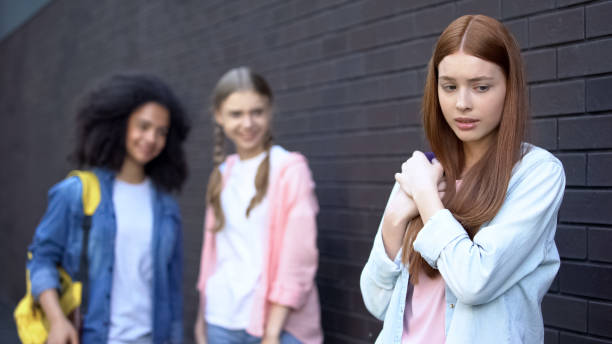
{"x": 230, "y": 290}
{"x": 131, "y": 296}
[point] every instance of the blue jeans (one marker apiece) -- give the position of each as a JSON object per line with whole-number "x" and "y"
{"x": 220, "y": 335}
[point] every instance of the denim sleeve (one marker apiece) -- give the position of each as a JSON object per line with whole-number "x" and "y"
{"x": 50, "y": 238}
{"x": 176, "y": 284}
{"x": 379, "y": 275}
{"x": 511, "y": 246}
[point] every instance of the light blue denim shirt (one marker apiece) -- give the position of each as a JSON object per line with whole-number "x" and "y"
{"x": 58, "y": 241}
{"x": 494, "y": 283}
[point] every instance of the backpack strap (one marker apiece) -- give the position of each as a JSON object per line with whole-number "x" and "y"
{"x": 91, "y": 198}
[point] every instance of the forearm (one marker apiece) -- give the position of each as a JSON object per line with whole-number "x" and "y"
{"x": 49, "y": 301}
{"x": 428, "y": 203}
{"x": 276, "y": 320}
{"x": 393, "y": 232}
{"x": 199, "y": 330}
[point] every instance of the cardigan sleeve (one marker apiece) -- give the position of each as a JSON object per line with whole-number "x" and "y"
{"x": 508, "y": 248}
{"x": 299, "y": 255}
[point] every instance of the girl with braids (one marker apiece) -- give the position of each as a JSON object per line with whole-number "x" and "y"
{"x": 130, "y": 131}
{"x": 259, "y": 256}
{"x": 465, "y": 250}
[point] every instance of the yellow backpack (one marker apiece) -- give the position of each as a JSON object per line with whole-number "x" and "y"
{"x": 32, "y": 325}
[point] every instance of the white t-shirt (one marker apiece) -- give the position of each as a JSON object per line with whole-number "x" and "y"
{"x": 131, "y": 296}
{"x": 230, "y": 290}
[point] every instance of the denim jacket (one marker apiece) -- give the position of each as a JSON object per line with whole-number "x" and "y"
{"x": 494, "y": 283}
{"x": 58, "y": 241}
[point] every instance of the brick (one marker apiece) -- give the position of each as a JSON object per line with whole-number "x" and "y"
{"x": 551, "y": 336}
{"x": 554, "y": 286}
{"x": 557, "y": 27}
{"x": 402, "y": 56}
{"x": 586, "y": 280}
{"x": 575, "y": 168}
{"x": 586, "y": 206}
{"x": 541, "y": 65}
{"x": 587, "y": 132}
{"x": 563, "y": 3}
{"x": 585, "y": 59}
{"x": 600, "y": 318}
{"x": 600, "y": 169}
{"x": 520, "y": 29}
{"x": 356, "y": 223}
{"x": 335, "y": 45}
{"x": 571, "y": 338}
{"x": 599, "y": 244}
{"x": 571, "y": 241}
{"x": 543, "y": 133}
{"x": 434, "y": 20}
{"x": 338, "y": 273}
{"x": 522, "y": 7}
{"x": 359, "y": 170}
{"x": 486, "y": 7}
{"x": 598, "y": 19}
{"x": 565, "y": 312}
{"x": 380, "y": 33}
{"x": 341, "y": 299}
{"x": 557, "y": 98}
{"x": 355, "y": 196}
{"x": 355, "y": 250}
{"x": 598, "y": 94}
{"x": 350, "y": 325}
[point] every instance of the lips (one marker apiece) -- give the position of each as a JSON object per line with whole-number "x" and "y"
{"x": 465, "y": 123}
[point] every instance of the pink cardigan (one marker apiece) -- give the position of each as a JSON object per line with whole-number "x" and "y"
{"x": 290, "y": 252}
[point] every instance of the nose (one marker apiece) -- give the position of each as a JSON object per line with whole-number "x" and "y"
{"x": 247, "y": 121}
{"x": 150, "y": 135}
{"x": 464, "y": 102}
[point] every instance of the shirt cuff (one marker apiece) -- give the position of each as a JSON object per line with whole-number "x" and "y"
{"x": 385, "y": 270}
{"x": 44, "y": 279}
{"x": 441, "y": 229}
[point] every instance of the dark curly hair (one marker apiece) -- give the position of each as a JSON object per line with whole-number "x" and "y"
{"x": 102, "y": 125}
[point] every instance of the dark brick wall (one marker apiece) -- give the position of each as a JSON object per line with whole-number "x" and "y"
{"x": 348, "y": 77}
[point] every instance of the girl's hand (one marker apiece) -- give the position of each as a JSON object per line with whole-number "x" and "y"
{"x": 199, "y": 329}
{"x": 422, "y": 180}
{"x": 62, "y": 332}
{"x": 400, "y": 209}
{"x": 420, "y": 176}
{"x": 270, "y": 340}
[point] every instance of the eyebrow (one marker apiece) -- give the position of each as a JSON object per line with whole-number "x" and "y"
{"x": 478, "y": 78}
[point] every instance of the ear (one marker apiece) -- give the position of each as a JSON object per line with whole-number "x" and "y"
{"x": 219, "y": 118}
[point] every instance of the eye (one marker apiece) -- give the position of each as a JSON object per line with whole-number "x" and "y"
{"x": 482, "y": 88}
{"x": 235, "y": 114}
{"x": 163, "y": 132}
{"x": 257, "y": 112}
{"x": 449, "y": 87}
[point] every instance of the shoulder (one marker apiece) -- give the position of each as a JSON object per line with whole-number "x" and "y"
{"x": 69, "y": 188}
{"x": 533, "y": 157}
{"x": 288, "y": 165}
{"x": 536, "y": 165}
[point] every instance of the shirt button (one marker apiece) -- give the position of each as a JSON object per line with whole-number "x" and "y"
{"x": 452, "y": 305}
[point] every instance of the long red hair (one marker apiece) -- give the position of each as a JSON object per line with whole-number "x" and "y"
{"x": 484, "y": 185}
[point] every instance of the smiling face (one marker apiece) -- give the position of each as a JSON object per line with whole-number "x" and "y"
{"x": 471, "y": 92}
{"x": 147, "y": 129}
{"x": 245, "y": 118}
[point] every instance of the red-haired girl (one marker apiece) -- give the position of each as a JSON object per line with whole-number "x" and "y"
{"x": 465, "y": 250}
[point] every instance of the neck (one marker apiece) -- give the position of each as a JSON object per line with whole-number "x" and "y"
{"x": 247, "y": 154}
{"x": 131, "y": 172}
